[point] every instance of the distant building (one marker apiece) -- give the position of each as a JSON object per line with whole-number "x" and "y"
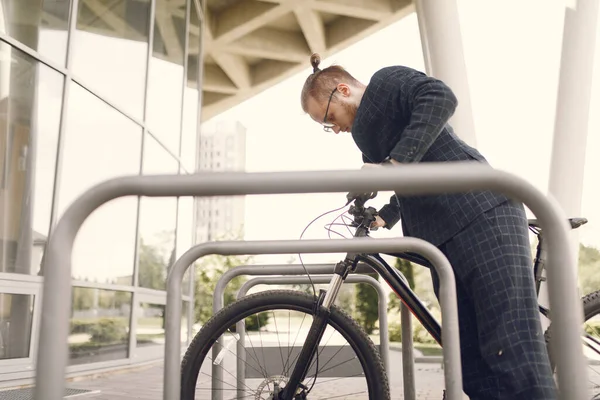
{"x": 222, "y": 148}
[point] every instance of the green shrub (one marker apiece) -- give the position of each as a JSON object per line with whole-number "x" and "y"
{"x": 108, "y": 330}
{"x": 252, "y": 324}
{"x": 420, "y": 334}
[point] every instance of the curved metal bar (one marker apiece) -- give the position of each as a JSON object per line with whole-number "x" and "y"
{"x": 411, "y": 179}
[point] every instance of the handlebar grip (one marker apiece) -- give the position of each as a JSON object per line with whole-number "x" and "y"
{"x": 360, "y": 196}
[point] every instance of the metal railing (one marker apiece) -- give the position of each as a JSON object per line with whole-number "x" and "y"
{"x": 413, "y": 179}
{"x": 448, "y": 301}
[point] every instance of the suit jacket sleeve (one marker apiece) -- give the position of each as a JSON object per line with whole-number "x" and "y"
{"x": 428, "y": 104}
{"x": 390, "y": 213}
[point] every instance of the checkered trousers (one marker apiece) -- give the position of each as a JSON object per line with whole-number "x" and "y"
{"x": 502, "y": 345}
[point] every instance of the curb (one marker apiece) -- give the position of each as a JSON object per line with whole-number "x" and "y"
{"x": 419, "y": 358}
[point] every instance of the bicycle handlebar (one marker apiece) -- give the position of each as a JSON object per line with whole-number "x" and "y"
{"x": 363, "y": 216}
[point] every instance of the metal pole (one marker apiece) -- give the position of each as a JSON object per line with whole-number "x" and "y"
{"x": 444, "y": 58}
{"x": 275, "y": 280}
{"x": 408, "y": 359}
{"x": 412, "y": 179}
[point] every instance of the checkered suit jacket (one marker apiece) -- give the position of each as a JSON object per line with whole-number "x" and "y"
{"x": 403, "y": 115}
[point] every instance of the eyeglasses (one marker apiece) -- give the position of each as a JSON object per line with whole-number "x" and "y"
{"x": 327, "y": 126}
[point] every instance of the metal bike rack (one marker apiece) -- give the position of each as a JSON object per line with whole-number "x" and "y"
{"x": 276, "y": 280}
{"x": 298, "y": 269}
{"x": 448, "y": 301}
{"x": 408, "y": 365}
{"x": 410, "y": 179}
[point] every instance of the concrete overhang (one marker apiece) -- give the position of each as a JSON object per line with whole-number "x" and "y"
{"x": 248, "y": 45}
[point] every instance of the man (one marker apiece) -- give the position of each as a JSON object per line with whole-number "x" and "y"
{"x": 401, "y": 117}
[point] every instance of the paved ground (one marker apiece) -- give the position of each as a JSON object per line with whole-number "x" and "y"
{"x": 146, "y": 384}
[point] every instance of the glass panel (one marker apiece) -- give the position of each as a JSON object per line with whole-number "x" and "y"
{"x": 150, "y": 329}
{"x": 100, "y": 143}
{"x": 30, "y": 106}
{"x": 16, "y": 315}
{"x": 190, "y": 100}
{"x": 99, "y": 325}
{"x": 157, "y": 221}
{"x": 185, "y": 227}
{"x": 110, "y": 49}
{"x": 40, "y": 25}
{"x": 166, "y": 76}
{"x": 223, "y": 148}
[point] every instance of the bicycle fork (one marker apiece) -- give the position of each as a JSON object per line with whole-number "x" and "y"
{"x": 317, "y": 329}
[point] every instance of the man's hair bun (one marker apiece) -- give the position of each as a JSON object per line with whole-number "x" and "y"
{"x": 315, "y": 60}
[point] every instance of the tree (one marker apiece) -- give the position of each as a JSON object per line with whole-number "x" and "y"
{"x": 406, "y": 268}
{"x": 208, "y": 272}
{"x": 155, "y": 259}
{"x": 589, "y": 266}
{"x": 366, "y": 308}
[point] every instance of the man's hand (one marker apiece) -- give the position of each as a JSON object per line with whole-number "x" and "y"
{"x": 389, "y": 162}
{"x": 378, "y": 223}
{"x": 370, "y": 166}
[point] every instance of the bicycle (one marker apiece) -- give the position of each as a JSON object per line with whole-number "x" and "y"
{"x": 293, "y": 383}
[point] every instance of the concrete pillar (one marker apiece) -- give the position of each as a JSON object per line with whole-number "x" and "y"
{"x": 572, "y": 116}
{"x": 573, "y": 108}
{"x": 441, "y": 39}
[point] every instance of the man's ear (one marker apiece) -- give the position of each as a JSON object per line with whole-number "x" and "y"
{"x": 344, "y": 89}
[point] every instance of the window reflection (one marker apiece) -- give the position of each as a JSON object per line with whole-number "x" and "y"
{"x": 157, "y": 221}
{"x": 16, "y": 312}
{"x": 110, "y": 50}
{"x": 30, "y": 107}
{"x": 165, "y": 71}
{"x": 99, "y": 325}
{"x": 190, "y": 100}
{"x": 40, "y": 25}
{"x": 150, "y": 330}
{"x": 100, "y": 143}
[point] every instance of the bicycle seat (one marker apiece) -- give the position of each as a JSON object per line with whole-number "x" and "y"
{"x": 575, "y": 222}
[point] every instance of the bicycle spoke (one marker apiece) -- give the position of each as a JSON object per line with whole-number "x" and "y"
{"x": 289, "y": 366}
{"x": 279, "y": 341}
{"x": 234, "y": 388}
{"x": 262, "y": 346}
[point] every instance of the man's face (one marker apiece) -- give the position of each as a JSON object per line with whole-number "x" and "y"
{"x": 337, "y": 112}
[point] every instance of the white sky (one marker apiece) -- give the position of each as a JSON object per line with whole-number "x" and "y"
{"x": 512, "y": 51}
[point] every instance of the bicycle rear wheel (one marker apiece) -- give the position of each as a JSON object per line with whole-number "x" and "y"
{"x": 256, "y": 382}
{"x": 590, "y": 342}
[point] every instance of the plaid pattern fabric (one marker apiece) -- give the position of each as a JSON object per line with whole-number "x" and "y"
{"x": 403, "y": 115}
{"x": 502, "y": 343}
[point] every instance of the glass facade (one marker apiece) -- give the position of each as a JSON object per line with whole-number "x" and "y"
{"x": 91, "y": 90}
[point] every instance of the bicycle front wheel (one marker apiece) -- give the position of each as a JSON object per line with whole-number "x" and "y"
{"x": 256, "y": 340}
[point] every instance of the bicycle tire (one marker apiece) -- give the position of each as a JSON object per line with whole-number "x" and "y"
{"x": 362, "y": 345}
{"x": 591, "y": 308}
